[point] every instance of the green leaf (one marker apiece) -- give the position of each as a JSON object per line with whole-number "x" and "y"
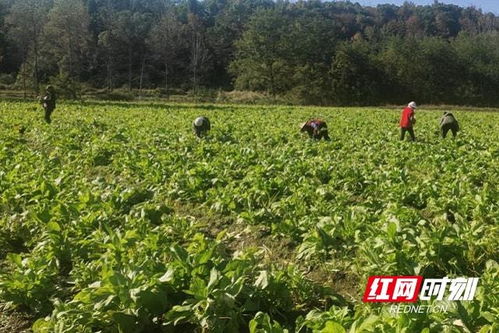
{"x": 53, "y": 226}
{"x": 16, "y": 259}
{"x": 262, "y": 281}
{"x": 368, "y": 323}
{"x": 180, "y": 253}
{"x": 198, "y": 288}
{"x": 391, "y": 230}
{"x": 155, "y": 303}
{"x": 125, "y": 322}
{"x": 168, "y": 276}
{"x": 253, "y": 324}
{"x": 214, "y": 278}
{"x": 42, "y": 325}
{"x": 333, "y": 327}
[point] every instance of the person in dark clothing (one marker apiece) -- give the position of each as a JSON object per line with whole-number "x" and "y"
{"x": 407, "y": 121}
{"x": 316, "y": 129}
{"x": 201, "y": 126}
{"x": 449, "y": 122}
{"x": 48, "y": 103}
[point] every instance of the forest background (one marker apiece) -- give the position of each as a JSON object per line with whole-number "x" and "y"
{"x": 304, "y": 52}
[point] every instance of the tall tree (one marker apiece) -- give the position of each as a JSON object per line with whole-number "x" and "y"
{"x": 3, "y": 41}
{"x": 357, "y": 78}
{"x": 124, "y": 40}
{"x": 229, "y": 19}
{"x": 259, "y": 63}
{"x": 167, "y": 41}
{"x": 66, "y": 37}
{"x": 198, "y": 49}
{"x": 25, "y": 23}
{"x": 478, "y": 55}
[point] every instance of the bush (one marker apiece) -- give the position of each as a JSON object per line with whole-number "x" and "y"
{"x": 247, "y": 97}
{"x": 113, "y": 95}
{"x": 7, "y": 79}
{"x": 66, "y": 86}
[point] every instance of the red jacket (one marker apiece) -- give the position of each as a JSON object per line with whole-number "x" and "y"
{"x": 406, "y": 118}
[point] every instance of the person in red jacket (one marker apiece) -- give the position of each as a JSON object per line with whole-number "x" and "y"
{"x": 407, "y": 120}
{"x": 316, "y": 129}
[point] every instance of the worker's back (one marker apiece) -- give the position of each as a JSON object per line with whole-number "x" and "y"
{"x": 448, "y": 118}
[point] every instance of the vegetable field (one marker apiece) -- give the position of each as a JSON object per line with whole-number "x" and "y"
{"x": 115, "y": 218}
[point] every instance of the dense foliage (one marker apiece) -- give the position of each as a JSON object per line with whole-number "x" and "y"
{"x": 313, "y": 52}
{"x": 115, "y": 218}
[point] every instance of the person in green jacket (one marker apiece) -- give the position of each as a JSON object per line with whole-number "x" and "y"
{"x": 48, "y": 103}
{"x": 449, "y": 122}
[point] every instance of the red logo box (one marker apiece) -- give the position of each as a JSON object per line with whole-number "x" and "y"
{"x": 395, "y": 289}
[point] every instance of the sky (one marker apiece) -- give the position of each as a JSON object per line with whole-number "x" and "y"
{"x": 485, "y": 5}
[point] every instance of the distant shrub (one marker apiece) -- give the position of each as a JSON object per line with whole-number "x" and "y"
{"x": 7, "y": 79}
{"x": 111, "y": 95}
{"x": 247, "y": 97}
{"x": 65, "y": 86}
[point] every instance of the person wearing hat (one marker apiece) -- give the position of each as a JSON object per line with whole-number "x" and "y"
{"x": 407, "y": 121}
{"x": 316, "y": 129}
{"x": 48, "y": 103}
{"x": 449, "y": 122}
{"x": 201, "y": 126}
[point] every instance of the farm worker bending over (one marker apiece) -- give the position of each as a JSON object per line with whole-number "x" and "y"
{"x": 48, "y": 103}
{"x": 449, "y": 122}
{"x": 407, "y": 120}
{"x": 316, "y": 129}
{"x": 201, "y": 126}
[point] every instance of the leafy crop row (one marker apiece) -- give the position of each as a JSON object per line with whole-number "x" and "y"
{"x": 115, "y": 218}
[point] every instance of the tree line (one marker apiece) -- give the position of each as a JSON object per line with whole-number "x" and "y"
{"x": 313, "y": 52}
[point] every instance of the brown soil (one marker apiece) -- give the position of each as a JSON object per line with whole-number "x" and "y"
{"x": 14, "y": 322}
